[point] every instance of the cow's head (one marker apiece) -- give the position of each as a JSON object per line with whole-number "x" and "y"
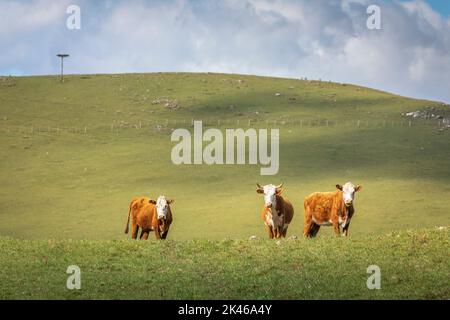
{"x": 270, "y": 192}
{"x": 162, "y": 207}
{"x": 348, "y": 192}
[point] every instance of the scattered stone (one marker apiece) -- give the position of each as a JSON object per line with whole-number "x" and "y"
{"x": 253, "y": 238}
{"x": 293, "y": 237}
{"x": 172, "y": 105}
{"x": 160, "y": 100}
{"x": 7, "y": 81}
{"x": 278, "y": 242}
{"x": 169, "y": 104}
{"x": 277, "y": 94}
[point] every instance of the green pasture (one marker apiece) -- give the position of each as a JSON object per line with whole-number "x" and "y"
{"x": 74, "y": 154}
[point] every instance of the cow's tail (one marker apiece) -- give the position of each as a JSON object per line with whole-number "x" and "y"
{"x": 128, "y": 220}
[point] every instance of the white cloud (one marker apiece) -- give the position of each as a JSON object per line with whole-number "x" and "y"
{"x": 17, "y": 17}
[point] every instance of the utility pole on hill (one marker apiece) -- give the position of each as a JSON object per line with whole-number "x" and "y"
{"x": 62, "y": 56}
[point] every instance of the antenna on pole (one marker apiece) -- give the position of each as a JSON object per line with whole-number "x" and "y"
{"x": 62, "y": 56}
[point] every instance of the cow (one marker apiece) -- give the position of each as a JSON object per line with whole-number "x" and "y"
{"x": 330, "y": 208}
{"x": 277, "y": 211}
{"x": 149, "y": 215}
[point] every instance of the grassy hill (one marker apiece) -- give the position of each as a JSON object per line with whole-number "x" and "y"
{"x": 74, "y": 154}
{"x": 413, "y": 265}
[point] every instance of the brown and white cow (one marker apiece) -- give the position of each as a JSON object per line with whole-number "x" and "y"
{"x": 277, "y": 211}
{"x": 149, "y": 215}
{"x": 330, "y": 208}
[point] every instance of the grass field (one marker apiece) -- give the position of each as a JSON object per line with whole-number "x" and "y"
{"x": 413, "y": 265}
{"x": 74, "y": 154}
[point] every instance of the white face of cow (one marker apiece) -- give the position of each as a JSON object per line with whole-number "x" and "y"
{"x": 269, "y": 195}
{"x": 348, "y": 192}
{"x": 162, "y": 206}
{"x": 269, "y": 191}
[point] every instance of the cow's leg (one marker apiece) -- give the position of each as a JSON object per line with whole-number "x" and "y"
{"x": 144, "y": 235}
{"x": 277, "y": 233}
{"x": 345, "y": 231}
{"x": 269, "y": 231}
{"x": 336, "y": 228}
{"x": 157, "y": 233}
{"x": 310, "y": 230}
{"x": 164, "y": 234}
{"x": 314, "y": 229}
{"x": 134, "y": 231}
{"x": 280, "y": 232}
{"x": 285, "y": 230}
{"x": 307, "y": 225}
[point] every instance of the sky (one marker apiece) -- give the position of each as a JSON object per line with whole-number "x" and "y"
{"x": 318, "y": 39}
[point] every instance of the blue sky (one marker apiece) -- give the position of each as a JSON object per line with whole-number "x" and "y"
{"x": 441, "y": 6}
{"x": 326, "y": 39}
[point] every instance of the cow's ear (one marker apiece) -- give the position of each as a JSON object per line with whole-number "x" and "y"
{"x": 259, "y": 190}
{"x": 152, "y": 201}
{"x": 170, "y": 201}
{"x": 339, "y": 187}
{"x": 358, "y": 188}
